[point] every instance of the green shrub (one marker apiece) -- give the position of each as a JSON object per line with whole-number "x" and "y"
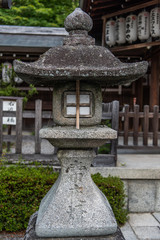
{"x": 113, "y": 189}
{"x": 22, "y": 189}
{"x": 106, "y": 148}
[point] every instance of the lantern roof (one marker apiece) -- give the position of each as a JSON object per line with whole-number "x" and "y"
{"x": 79, "y": 59}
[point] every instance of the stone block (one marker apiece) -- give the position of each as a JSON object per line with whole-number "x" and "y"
{"x": 143, "y": 219}
{"x": 157, "y": 216}
{"x": 157, "y": 201}
{"x": 142, "y": 196}
{"x": 147, "y": 233}
{"x": 59, "y": 99}
{"x": 128, "y": 232}
{"x": 126, "y": 192}
{"x": 31, "y": 235}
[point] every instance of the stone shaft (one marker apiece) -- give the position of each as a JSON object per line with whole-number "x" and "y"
{"x": 75, "y": 206}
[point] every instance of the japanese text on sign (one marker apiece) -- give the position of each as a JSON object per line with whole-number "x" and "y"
{"x": 9, "y": 120}
{"x": 9, "y": 106}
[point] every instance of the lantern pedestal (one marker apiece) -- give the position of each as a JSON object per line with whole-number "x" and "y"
{"x": 31, "y": 234}
{"x": 75, "y": 206}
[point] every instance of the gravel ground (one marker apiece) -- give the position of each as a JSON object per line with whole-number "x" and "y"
{"x": 28, "y": 147}
{"x": 12, "y": 236}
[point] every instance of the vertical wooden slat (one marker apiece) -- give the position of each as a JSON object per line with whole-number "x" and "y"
{"x": 9, "y": 132}
{"x": 155, "y": 125}
{"x": 154, "y": 84}
{"x": 1, "y": 124}
{"x": 135, "y": 125}
{"x": 38, "y": 125}
{"x": 19, "y": 125}
{"x": 115, "y": 126}
{"x": 146, "y": 125}
{"x": 126, "y": 124}
{"x": 115, "y": 115}
{"x": 102, "y": 107}
{"x": 106, "y": 107}
{"x": 139, "y": 93}
{"x": 103, "y": 32}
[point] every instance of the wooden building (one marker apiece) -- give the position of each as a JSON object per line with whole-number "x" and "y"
{"x": 27, "y": 44}
{"x": 145, "y": 90}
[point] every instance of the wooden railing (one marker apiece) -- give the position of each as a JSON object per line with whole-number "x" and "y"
{"x": 141, "y": 128}
{"x": 18, "y": 137}
{"x": 135, "y": 126}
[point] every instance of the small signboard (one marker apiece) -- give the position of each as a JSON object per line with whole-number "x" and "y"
{"x": 9, "y": 120}
{"x": 9, "y": 106}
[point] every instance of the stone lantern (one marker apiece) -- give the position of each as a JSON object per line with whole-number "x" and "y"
{"x": 75, "y": 207}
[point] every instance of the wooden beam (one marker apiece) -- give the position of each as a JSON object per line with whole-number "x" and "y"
{"x": 102, "y": 1}
{"x": 134, "y": 46}
{"x": 131, "y": 9}
{"x": 103, "y": 33}
{"x": 101, "y": 13}
{"x": 103, "y": 7}
{"x": 27, "y": 50}
{"x": 154, "y": 85}
{"x": 85, "y": 5}
{"x": 106, "y": 5}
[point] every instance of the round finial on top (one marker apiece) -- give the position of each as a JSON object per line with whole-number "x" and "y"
{"x": 78, "y": 20}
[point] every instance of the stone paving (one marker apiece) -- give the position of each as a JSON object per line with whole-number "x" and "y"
{"x": 142, "y": 226}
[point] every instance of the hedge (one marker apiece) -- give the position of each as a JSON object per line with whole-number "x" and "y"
{"x": 22, "y": 189}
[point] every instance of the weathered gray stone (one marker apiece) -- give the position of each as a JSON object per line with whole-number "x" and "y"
{"x": 31, "y": 235}
{"x": 157, "y": 201}
{"x": 147, "y": 178}
{"x": 79, "y": 59}
{"x": 126, "y": 193}
{"x": 147, "y": 233}
{"x": 139, "y": 161}
{"x": 157, "y": 216}
{"x": 58, "y": 105}
{"x": 78, "y": 20}
{"x": 129, "y": 173}
{"x": 142, "y": 220}
{"x": 128, "y": 232}
{"x": 75, "y": 206}
{"x": 69, "y": 137}
{"x": 142, "y": 196}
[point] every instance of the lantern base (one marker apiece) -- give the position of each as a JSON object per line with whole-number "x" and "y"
{"x": 75, "y": 206}
{"x": 31, "y": 234}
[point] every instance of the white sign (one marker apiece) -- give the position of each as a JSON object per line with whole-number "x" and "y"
{"x": 9, "y": 120}
{"x": 9, "y": 106}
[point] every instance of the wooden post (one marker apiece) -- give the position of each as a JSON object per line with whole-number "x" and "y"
{"x": 155, "y": 125}
{"x": 103, "y": 32}
{"x": 126, "y": 124}
{"x": 38, "y": 125}
{"x": 1, "y": 125}
{"x": 135, "y": 124}
{"x": 77, "y": 103}
{"x": 115, "y": 126}
{"x": 19, "y": 125}
{"x": 146, "y": 125}
{"x": 154, "y": 85}
{"x": 9, "y": 133}
{"x": 139, "y": 92}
